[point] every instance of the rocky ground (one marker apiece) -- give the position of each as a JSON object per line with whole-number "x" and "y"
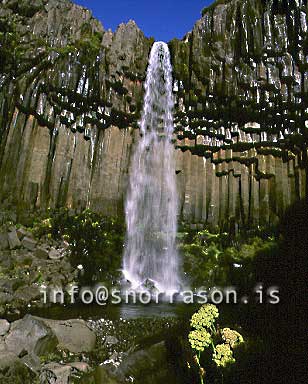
{"x": 35, "y": 350}
{"x": 29, "y": 346}
{"x": 43, "y": 351}
{"x": 27, "y": 265}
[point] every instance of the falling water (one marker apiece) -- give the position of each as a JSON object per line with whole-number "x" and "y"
{"x": 151, "y": 205}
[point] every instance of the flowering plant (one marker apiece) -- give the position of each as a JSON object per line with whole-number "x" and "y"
{"x": 202, "y": 336}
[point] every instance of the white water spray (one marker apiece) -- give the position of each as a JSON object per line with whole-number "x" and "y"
{"x": 152, "y": 202}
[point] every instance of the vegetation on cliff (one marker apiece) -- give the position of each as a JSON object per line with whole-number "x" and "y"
{"x": 217, "y": 259}
{"x": 95, "y": 242}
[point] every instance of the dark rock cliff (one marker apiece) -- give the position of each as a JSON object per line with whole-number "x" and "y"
{"x": 242, "y": 105}
{"x": 71, "y": 95}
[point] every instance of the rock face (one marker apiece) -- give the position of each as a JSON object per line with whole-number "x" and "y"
{"x": 242, "y": 106}
{"x": 32, "y": 265}
{"x": 71, "y": 96}
{"x": 74, "y": 100}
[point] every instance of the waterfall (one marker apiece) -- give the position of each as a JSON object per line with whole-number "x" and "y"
{"x": 151, "y": 204}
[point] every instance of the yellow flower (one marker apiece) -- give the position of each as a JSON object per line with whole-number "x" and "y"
{"x": 199, "y": 339}
{"x": 231, "y": 337}
{"x": 205, "y": 317}
{"x": 223, "y": 355}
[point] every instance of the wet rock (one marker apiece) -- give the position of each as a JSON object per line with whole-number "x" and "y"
{"x": 4, "y": 327}
{"x": 28, "y": 243}
{"x": 111, "y": 340}
{"x": 32, "y": 335}
{"x": 13, "y": 239}
{"x": 149, "y": 284}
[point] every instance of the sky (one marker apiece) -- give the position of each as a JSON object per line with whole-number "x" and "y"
{"x": 161, "y": 19}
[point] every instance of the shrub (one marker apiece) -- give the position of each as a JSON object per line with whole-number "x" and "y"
{"x": 95, "y": 242}
{"x": 217, "y": 259}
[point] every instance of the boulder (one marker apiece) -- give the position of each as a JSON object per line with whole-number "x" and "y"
{"x": 28, "y": 243}
{"x": 102, "y": 375}
{"x": 4, "y": 327}
{"x": 73, "y": 335}
{"x": 142, "y": 365}
{"x": 32, "y": 335}
{"x": 13, "y": 239}
{"x": 4, "y": 242}
{"x": 7, "y": 360}
{"x": 111, "y": 340}
{"x": 6, "y": 297}
{"x": 32, "y": 362}
{"x": 24, "y": 258}
{"x": 54, "y": 373}
{"x": 80, "y": 366}
{"x": 28, "y": 294}
{"x": 3, "y": 347}
{"x": 6, "y": 260}
{"x": 57, "y": 279}
{"x": 21, "y": 233}
{"x": 10, "y": 285}
{"x": 55, "y": 254}
{"x": 41, "y": 253}
{"x": 13, "y": 371}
